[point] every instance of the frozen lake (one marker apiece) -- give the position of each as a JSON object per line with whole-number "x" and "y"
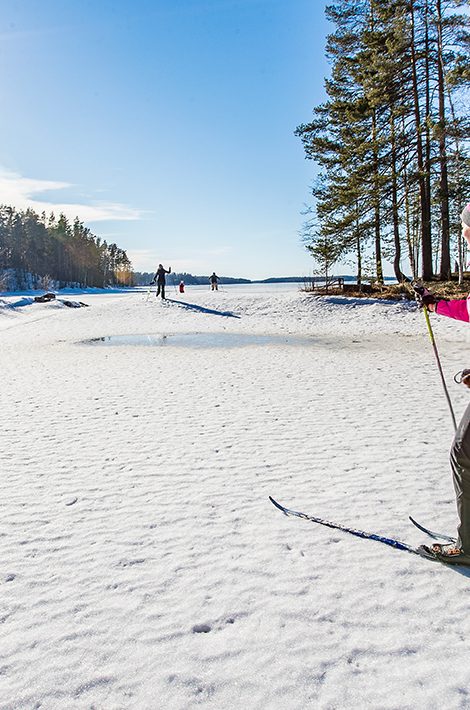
{"x": 143, "y": 565}
{"x": 248, "y": 289}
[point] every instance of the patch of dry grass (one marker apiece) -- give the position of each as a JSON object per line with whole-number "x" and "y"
{"x": 398, "y": 292}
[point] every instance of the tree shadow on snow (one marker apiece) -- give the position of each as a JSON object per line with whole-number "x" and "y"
{"x": 201, "y": 309}
{"x": 353, "y": 302}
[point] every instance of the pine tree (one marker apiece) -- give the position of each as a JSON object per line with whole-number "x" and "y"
{"x": 384, "y": 139}
{"x": 70, "y": 254}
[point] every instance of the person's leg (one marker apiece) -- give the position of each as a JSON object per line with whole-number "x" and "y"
{"x": 163, "y": 290}
{"x": 158, "y": 291}
{"x": 460, "y": 463}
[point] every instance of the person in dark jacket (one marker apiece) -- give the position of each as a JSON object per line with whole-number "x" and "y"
{"x": 159, "y": 279}
{"x": 214, "y": 279}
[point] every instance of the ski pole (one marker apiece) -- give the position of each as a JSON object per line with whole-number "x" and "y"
{"x": 436, "y": 353}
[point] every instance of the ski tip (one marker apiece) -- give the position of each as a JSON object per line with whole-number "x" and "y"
{"x": 420, "y": 527}
{"x": 278, "y": 505}
{"x": 434, "y": 535}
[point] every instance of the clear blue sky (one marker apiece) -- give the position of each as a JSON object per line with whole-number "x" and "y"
{"x": 166, "y": 125}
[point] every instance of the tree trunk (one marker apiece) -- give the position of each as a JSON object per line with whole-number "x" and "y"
{"x": 458, "y": 187}
{"x": 376, "y": 203}
{"x": 427, "y": 120}
{"x": 426, "y": 246}
{"x": 399, "y": 275}
{"x": 406, "y": 191}
{"x": 358, "y": 249}
{"x": 443, "y": 181}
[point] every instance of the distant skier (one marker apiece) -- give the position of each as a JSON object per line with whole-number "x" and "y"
{"x": 181, "y": 287}
{"x": 159, "y": 279}
{"x": 457, "y": 553}
{"x": 214, "y": 279}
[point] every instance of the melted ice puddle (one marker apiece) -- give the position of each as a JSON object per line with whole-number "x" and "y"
{"x": 201, "y": 340}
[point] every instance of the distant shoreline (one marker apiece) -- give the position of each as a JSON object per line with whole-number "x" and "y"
{"x": 144, "y": 278}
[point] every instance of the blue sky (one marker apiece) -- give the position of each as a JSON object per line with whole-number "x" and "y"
{"x": 166, "y": 125}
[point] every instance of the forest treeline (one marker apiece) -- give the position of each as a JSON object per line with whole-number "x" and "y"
{"x": 391, "y": 139}
{"x": 143, "y": 278}
{"x": 40, "y": 249}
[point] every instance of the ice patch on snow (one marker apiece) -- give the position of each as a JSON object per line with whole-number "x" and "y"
{"x": 200, "y": 340}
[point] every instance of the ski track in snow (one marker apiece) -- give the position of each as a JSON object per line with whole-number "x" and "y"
{"x": 142, "y": 564}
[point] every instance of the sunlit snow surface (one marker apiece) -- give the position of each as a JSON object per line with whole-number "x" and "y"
{"x": 142, "y": 564}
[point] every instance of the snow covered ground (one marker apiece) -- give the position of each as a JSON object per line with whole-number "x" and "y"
{"x": 142, "y": 564}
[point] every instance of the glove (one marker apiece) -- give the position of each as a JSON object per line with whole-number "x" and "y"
{"x": 463, "y": 378}
{"x": 152, "y": 283}
{"x": 424, "y": 297}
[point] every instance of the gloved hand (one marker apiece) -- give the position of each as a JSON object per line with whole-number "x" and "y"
{"x": 424, "y": 297}
{"x": 465, "y": 378}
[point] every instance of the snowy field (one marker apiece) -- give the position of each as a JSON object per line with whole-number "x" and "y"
{"x": 142, "y": 564}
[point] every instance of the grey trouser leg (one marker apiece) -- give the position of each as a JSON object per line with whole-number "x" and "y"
{"x": 460, "y": 463}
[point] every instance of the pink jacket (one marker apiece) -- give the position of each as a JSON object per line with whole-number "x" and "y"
{"x": 458, "y": 309}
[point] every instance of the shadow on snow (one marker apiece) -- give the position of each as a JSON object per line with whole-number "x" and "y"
{"x": 201, "y": 309}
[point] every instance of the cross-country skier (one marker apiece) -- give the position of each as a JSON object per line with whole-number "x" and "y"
{"x": 457, "y": 553}
{"x": 214, "y": 279}
{"x": 159, "y": 279}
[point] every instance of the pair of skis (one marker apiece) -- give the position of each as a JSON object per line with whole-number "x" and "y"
{"x": 422, "y": 550}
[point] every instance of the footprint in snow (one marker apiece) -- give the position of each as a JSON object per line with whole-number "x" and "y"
{"x": 201, "y": 629}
